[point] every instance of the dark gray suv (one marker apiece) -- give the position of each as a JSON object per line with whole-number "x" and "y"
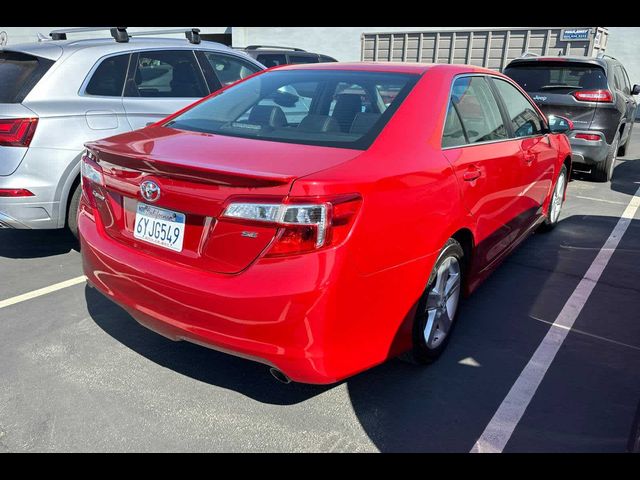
{"x": 594, "y": 93}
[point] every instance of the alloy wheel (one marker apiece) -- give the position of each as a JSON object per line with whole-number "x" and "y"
{"x": 442, "y": 303}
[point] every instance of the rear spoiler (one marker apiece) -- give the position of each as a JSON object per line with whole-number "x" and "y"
{"x": 192, "y": 171}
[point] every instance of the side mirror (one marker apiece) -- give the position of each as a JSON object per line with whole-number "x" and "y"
{"x": 558, "y": 124}
{"x": 635, "y": 90}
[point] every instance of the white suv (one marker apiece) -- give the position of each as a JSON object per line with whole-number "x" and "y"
{"x": 56, "y": 95}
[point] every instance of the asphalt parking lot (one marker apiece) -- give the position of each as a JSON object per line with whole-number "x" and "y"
{"x": 78, "y": 374}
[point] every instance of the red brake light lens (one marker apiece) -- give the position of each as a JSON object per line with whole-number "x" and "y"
{"x": 589, "y": 136}
{"x": 593, "y": 96}
{"x": 15, "y": 192}
{"x": 17, "y": 132}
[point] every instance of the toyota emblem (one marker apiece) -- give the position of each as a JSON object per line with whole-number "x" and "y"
{"x": 150, "y": 191}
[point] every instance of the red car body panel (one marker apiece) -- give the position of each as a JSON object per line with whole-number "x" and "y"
{"x": 323, "y": 315}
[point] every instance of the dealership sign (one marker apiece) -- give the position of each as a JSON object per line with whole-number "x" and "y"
{"x": 573, "y": 34}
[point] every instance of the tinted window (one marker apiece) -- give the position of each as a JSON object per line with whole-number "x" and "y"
{"x": 166, "y": 74}
{"x": 303, "y": 59}
{"x": 272, "y": 59}
{"x": 557, "y": 77}
{"x": 325, "y": 58}
{"x": 295, "y": 106}
{"x": 19, "y": 73}
{"x": 478, "y": 109}
{"x": 453, "y": 134}
{"x": 108, "y": 78}
{"x": 525, "y": 121}
{"x": 229, "y": 69}
{"x": 622, "y": 81}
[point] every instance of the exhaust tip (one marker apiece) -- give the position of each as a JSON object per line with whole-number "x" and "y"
{"x": 279, "y": 376}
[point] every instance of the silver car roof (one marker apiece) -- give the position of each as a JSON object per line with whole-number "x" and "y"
{"x": 55, "y": 49}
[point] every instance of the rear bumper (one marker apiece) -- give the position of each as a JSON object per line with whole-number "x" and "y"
{"x": 586, "y": 151}
{"x": 274, "y": 313}
{"x": 24, "y": 213}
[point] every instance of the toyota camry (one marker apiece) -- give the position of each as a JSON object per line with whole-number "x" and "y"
{"x": 324, "y": 218}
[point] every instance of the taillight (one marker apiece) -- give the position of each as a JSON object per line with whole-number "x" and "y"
{"x": 90, "y": 169}
{"x": 15, "y": 192}
{"x": 588, "y": 136}
{"x": 593, "y": 96}
{"x": 303, "y": 225}
{"x": 17, "y": 132}
{"x": 91, "y": 173}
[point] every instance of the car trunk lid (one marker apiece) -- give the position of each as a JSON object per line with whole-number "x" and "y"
{"x": 197, "y": 175}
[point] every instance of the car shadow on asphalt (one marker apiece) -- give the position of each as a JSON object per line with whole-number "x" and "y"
{"x": 209, "y": 366}
{"x": 36, "y": 243}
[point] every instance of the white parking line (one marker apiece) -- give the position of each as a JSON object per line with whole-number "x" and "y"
{"x": 42, "y": 291}
{"x": 504, "y": 421}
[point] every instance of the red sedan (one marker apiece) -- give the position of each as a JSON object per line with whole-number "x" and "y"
{"x": 321, "y": 232}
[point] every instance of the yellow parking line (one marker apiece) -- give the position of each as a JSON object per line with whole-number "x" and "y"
{"x": 42, "y": 291}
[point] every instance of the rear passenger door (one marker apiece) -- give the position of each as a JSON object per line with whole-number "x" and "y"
{"x": 104, "y": 113}
{"x": 530, "y": 130}
{"x": 161, "y": 82}
{"x": 623, "y": 87}
{"x": 486, "y": 162}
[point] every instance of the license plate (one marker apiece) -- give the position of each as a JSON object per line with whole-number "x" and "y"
{"x": 161, "y": 227}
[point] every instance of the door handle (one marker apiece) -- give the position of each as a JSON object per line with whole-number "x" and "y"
{"x": 471, "y": 175}
{"x": 529, "y": 158}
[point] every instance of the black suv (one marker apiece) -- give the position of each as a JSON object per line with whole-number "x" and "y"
{"x": 271, "y": 56}
{"x": 594, "y": 93}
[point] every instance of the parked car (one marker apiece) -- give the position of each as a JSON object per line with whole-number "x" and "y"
{"x": 326, "y": 243}
{"x": 594, "y": 93}
{"x": 57, "y": 95}
{"x": 271, "y": 56}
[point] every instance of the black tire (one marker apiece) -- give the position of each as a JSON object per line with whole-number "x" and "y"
{"x": 422, "y": 353}
{"x": 603, "y": 171}
{"x": 72, "y": 211}
{"x": 622, "y": 150}
{"x": 549, "y": 222}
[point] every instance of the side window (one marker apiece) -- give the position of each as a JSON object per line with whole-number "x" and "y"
{"x": 326, "y": 58}
{"x": 524, "y": 118}
{"x": 108, "y": 78}
{"x": 166, "y": 74}
{"x": 229, "y": 69}
{"x": 623, "y": 83}
{"x": 478, "y": 109}
{"x": 295, "y": 59}
{"x": 272, "y": 59}
{"x": 453, "y": 135}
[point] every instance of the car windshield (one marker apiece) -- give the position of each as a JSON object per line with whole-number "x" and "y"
{"x": 555, "y": 76}
{"x": 315, "y": 107}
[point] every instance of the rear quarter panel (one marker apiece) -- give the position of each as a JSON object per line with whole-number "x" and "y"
{"x": 411, "y": 206}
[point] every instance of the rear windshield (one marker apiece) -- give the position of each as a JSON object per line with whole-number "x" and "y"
{"x": 19, "y": 73}
{"x": 558, "y": 77}
{"x": 314, "y": 107}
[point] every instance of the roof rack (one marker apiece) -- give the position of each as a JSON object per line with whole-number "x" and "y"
{"x": 121, "y": 35}
{"x": 192, "y": 34}
{"x": 256, "y": 47}
{"x": 603, "y": 55}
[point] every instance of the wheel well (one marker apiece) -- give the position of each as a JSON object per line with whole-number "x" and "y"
{"x": 75, "y": 183}
{"x": 621, "y": 130}
{"x": 465, "y": 239}
{"x": 567, "y": 163}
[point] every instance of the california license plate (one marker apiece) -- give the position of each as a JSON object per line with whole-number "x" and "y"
{"x": 161, "y": 227}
